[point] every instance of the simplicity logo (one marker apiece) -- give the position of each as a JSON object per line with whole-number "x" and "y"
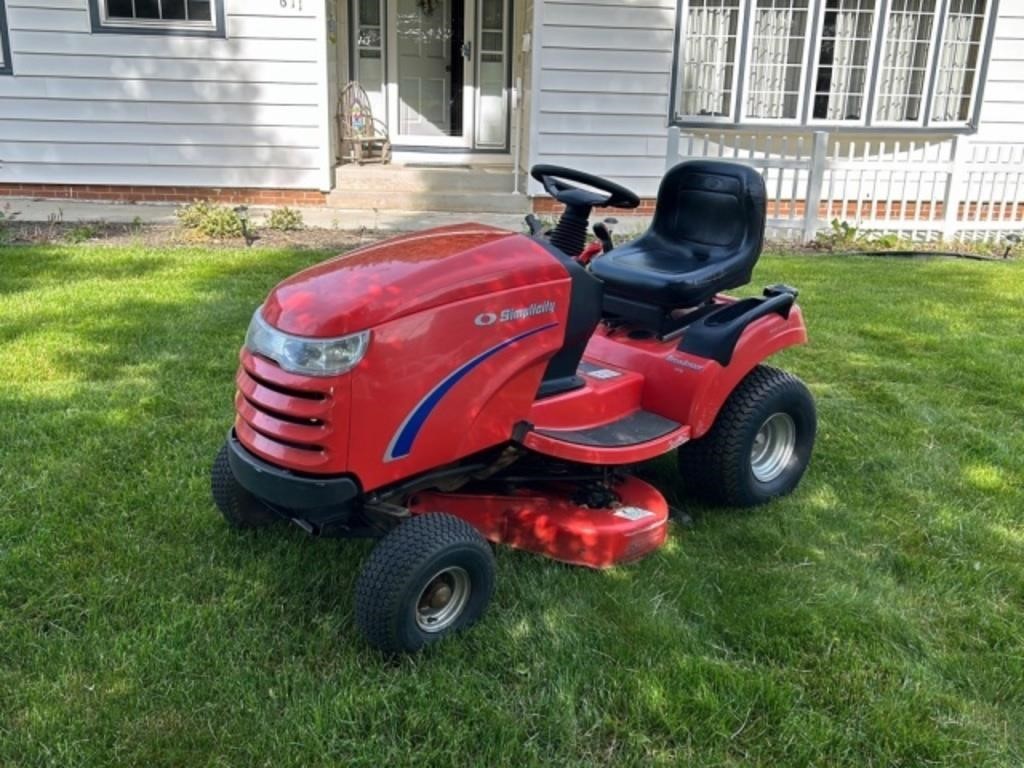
{"x": 521, "y": 313}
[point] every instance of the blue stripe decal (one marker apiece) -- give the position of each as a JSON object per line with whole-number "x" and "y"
{"x": 401, "y": 443}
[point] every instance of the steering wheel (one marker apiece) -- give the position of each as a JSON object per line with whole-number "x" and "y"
{"x": 555, "y": 178}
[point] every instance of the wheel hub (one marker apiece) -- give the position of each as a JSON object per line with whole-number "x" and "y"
{"x": 773, "y": 447}
{"x": 443, "y": 600}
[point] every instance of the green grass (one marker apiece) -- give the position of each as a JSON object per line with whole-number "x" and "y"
{"x": 872, "y": 619}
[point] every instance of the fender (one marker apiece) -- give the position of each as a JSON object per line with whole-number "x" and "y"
{"x": 712, "y": 382}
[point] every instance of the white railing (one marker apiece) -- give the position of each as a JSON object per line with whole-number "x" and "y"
{"x": 923, "y": 190}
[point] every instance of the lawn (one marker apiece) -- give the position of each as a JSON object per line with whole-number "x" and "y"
{"x": 874, "y": 618}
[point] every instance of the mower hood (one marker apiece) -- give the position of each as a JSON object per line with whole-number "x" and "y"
{"x": 405, "y": 275}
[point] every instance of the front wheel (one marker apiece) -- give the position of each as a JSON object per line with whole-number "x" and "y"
{"x": 431, "y": 576}
{"x": 760, "y": 443}
{"x": 239, "y": 507}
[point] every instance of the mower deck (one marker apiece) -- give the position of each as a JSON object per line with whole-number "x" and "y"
{"x": 557, "y": 521}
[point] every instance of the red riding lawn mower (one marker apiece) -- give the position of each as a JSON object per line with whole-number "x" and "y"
{"x": 467, "y": 385}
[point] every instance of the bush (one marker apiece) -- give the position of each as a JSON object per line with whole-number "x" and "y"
{"x": 285, "y": 219}
{"x": 215, "y": 221}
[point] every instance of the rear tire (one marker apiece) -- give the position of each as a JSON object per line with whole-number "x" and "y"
{"x": 428, "y": 578}
{"x": 239, "y": 507}
{"x": 758, "y": 447}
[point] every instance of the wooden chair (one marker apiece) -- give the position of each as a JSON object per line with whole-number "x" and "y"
{"x": 364, "y": 138}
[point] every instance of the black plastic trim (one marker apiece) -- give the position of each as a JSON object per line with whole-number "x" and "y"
{"x": 714, "y": 336}
{"x": 586, "y": 293}
{"x": 286, "y": 489}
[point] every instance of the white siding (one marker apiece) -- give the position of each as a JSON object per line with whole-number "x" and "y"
{"x": 247, "y": 111}
{"x": 605, "y": 69}
{"x": 1002, "y": 111}
{"x": 604, "y": 77}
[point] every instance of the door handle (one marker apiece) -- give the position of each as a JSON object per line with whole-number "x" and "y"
{"x": 467, "y": 50}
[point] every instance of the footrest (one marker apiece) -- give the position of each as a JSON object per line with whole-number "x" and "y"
{"x": 639, "y": 436}
{"x": 638, "y": 427}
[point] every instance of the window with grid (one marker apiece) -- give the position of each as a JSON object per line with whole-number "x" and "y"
{"x": 844, "y": 57}
{"x": 847, "y": 62}
{"x": 959, "y": 59}
{"x": 174, "y": 16}
{"x": 778, "y": 39}
{"x": 707, "y": 72}
{"x": 906, "y": 58}
{"x": 5, "y": 43}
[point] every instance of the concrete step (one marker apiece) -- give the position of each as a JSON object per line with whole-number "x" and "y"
{"x": 442, "y": 179}
{"x": 387, "y": 199}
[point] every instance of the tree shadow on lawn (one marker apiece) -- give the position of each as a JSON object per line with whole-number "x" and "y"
{"x": 830, "y": 620}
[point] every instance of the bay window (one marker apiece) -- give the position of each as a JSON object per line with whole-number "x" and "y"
{"x": 889, "y": 64}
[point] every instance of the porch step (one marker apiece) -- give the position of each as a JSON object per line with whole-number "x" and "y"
{"x": 386, "y": 199}
{"x": 412, "y": 178}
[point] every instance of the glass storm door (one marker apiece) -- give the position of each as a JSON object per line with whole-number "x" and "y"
{"x": 436, "y": 70}
{"x": 431, "y": 88}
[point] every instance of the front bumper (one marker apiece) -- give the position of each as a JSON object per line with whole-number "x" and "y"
{"x": 286, "y": 489}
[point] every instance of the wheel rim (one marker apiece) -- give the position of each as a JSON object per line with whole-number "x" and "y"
{"x": 443, "y": 600}
{"x": 773, "y": 447}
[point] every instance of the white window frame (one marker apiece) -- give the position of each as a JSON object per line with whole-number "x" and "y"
{"x": 929, "y": 74}
{"x": 741, "y": 22}
{"x": 6, "y": 65}
{"x": 104, "y": 23}
{"x": 805, "y": 119}
{"x": 980, "y": 74}
{"x": 744, "y": 118}
{"x": 869, "y": 72}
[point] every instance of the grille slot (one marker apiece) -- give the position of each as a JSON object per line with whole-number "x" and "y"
{"x": 283, "y": 390}
{"x": 282, "y": 416}
{"x": 289, "y": 443}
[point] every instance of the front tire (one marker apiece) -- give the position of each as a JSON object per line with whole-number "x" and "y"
{"x": 239, "y": 507}
{"x": 759, "y": 446}
{"x": 431, "y": 576}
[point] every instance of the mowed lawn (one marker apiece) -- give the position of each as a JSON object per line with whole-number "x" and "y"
{"x": 874, "y": 618}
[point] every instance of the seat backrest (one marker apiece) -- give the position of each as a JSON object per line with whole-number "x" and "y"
{"x": 715, "y": 209}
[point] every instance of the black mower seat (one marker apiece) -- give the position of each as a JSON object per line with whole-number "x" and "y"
{"x": 706, "y": 236}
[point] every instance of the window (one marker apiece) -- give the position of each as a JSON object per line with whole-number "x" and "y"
{"x": 844, "y": 57}
{"x": 863, "y": 63}
{"x": 777, "y": 48}
{"x": 173, "y": 17}
{"x": 708, "y": 60}
{"x": 368, "y": 51}
{"x": 958, "y": 61}
{"x": 5, "y": 43}
{"x": 905, "y": 61}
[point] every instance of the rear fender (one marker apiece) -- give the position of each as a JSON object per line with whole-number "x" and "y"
{"x": 711, "y": 383}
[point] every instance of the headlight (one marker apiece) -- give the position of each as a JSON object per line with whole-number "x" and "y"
{"x": 298, "y": 354}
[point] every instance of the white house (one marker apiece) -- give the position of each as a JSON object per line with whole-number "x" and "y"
{"x": 236, "y": 99}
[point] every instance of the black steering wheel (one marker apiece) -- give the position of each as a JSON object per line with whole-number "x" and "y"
{"x": 554, "y": 179}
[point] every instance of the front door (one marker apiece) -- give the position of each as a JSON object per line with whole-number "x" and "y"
{"x": 444, "y": 83}
{"x": 428, "y": 96}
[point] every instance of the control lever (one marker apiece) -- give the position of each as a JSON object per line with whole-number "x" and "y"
{"x": 603, "y": 233}
{"x": 534, "y": 225}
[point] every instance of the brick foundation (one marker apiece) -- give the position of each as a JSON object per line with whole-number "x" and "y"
{"x": 134, "y": 194}
{"x": 878, "y": 209}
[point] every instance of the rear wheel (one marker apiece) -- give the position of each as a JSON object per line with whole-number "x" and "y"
{"x": 240, "y": 508}
{"x": 429, "y": 577}
{"x": 760, "y": 443}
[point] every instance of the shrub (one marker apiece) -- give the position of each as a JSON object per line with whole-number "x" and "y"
{"x": 285, "y": 219}
{"x": 215, "y": 221}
